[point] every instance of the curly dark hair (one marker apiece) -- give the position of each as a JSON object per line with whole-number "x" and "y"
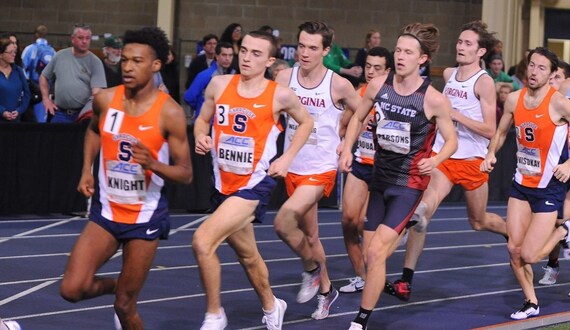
{"x": 151, "y": 36}
{"x": 486, "y": 40}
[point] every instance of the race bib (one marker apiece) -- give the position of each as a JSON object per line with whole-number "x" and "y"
{"x": 292, "y": 128}
{"x": 235, "y": 154}
{"x": 528, "y": 161}
{"x": 125, "y": 182}
{"x": 366, "y": 145}
{"x": 394, "y": 136}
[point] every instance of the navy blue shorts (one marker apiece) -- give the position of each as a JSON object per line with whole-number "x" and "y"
{"x": 157, "y": 227}
{"x": 362, "y": 172}
{"x": 261, "y": 192}
{"x": 392, "y": 206}
{"x": 541, "y": 200}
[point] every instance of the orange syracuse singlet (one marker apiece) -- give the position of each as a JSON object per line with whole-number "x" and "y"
{"x": 245, "y": 138}
{"x": 541, "y": 144}
{"x": 128, "y": 193}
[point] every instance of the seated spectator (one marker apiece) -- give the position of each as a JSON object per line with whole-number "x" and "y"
{"x": 194, "y": 96}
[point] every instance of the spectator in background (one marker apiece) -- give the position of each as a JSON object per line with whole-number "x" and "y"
{"x": 497, "y": 51}
{"x": 79, "y": 76}
{"x": 14, "y": 39}
{"x": 519, "y": 77}
{"x": 14, "y": 91}
{"x": 233, "y": 34}
{"x": 112, "y": 61}
{"x": 276, "y": 67}
{"x": 502, "y": 93}
{"x": 194, "y": 96}
{"x": 35, "y": 58}
{"x": 499, "y": 76}
{"x": 337, "y": 61}
{"x": 373, "y": 39}
{"x": 523, "y": 60}
{"x": 170, "y": 77}
{"x": 202, "y": 61}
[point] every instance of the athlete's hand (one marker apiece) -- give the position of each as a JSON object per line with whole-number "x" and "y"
{"x": 86, "y": 184}
{"x": 203, "y": 145}
{"x": 562, "y": 172}
{"x": 278, "y": 168}
{"x": 345, "y": 161}
{"x": 426, "y": 166}
{"x": 340, "y": 147}
{"x": 488, "y": 163}
{"x": 142, "y": 155}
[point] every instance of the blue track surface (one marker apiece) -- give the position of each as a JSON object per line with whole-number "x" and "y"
{"x": 463, "y": 280}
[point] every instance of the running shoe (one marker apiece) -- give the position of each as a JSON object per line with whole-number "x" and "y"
{"x": 274, "y": 320}
{"x": 117, "y": 322}
{"x": 528, "y": 310}
{"x": 400, "y": 289}
{"x": 12, "y": 325}
{"x": 325, "y": 303}
{"x": 356, "y": 284}
{"x": 550, "y": 275}
{"x": 215, "y": 321}
{"x": 356, "y": 326}
{"x": 309, "y": 285}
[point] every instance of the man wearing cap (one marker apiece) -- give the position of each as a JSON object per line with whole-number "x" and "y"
{"x": 111, "y": 61}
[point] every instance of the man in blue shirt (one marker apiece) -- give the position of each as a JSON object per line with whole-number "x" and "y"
{"x": 34, "y": 58}
{"x": 194, "y": 96}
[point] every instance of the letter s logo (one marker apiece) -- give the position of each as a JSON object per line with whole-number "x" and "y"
{"x": 125, "y": 153}
{"x": 240, "y": 123}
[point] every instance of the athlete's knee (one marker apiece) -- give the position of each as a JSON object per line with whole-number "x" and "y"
{"x": 201, "y": 245}
{"x": 284, "y": 221}
{"x": 125, "y": 304}
{"x": 531, "y": 257}
{"x": 514, "y": 251}
{"x": 70, "y": 291}
{"x": 350, "y": 222}
{"x": 249, "y": 261}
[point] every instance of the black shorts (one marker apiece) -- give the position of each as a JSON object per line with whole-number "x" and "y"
{"x": 261, "y": 192}
{"x": 362, "y": 172}
{"x": 392, "y": 206}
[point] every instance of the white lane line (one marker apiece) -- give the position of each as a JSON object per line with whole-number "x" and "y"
{"x": 418, "y": 303}
{"x": 288, "y": 259}
{"x": 249, "y": 289}
{"x": 47, "y": 283}
{"x": 35, "y": 230}
{"x": 26, "y": 292}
